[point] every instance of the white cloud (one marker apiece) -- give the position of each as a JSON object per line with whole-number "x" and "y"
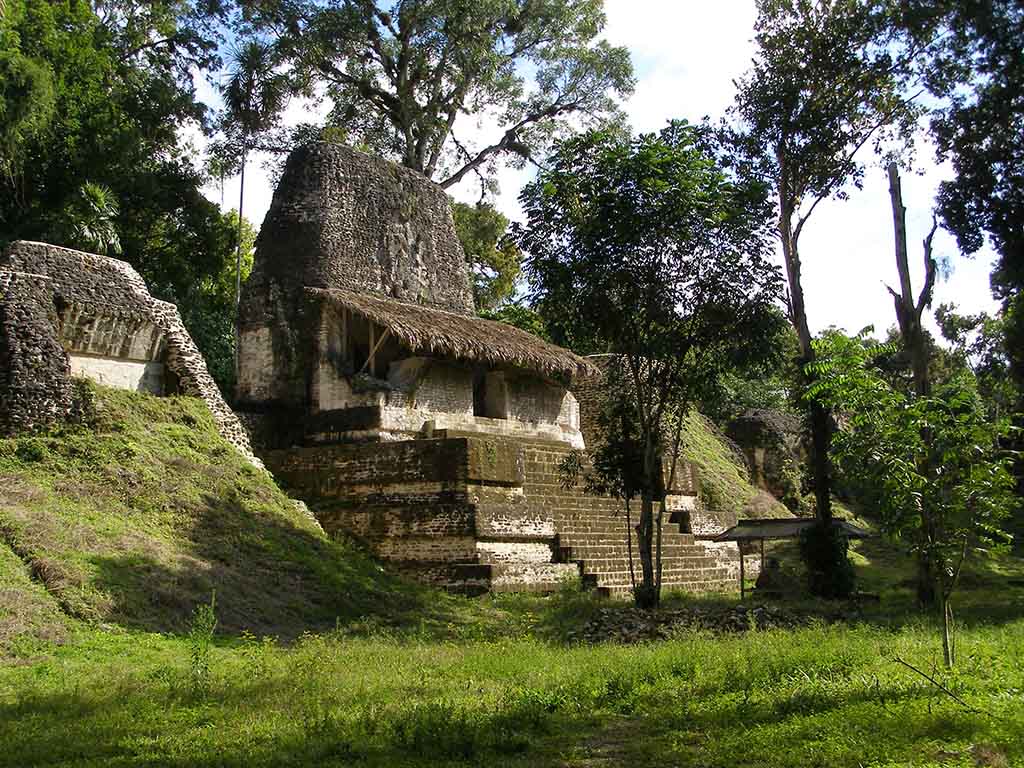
{"x": 686, "y": 54}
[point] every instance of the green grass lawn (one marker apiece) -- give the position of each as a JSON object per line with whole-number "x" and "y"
{"x": 114, "y": 531}
{"x": 819, "y": 696}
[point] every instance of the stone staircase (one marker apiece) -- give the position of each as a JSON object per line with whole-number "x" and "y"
{"x": 475, "y": 513}
{"x": 597, "y": 544}
{"x": 591, "y": 532}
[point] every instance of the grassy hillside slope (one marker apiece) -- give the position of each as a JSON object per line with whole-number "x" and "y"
{"x": 142, "y": 511}
{"x": 725, "y": 485}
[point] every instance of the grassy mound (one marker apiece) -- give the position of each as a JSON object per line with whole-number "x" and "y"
{"x": 725, "y": 485}
{"x": 142, "y": 511}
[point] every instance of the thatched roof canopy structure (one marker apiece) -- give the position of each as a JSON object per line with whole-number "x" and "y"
{"x": 437, "y": 332}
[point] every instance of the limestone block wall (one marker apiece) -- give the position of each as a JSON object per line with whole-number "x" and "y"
{"x": 533, "y": 400}
{"x": 139, "y": 376}
{"x": 35, "y": 386}
{"x": 340, "y": 219}
{"x": 102, "y": 308}
{"x": 427, "y": 503}
{"x": 498, "y": 505}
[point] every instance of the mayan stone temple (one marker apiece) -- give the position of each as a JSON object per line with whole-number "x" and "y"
{"x": 373, "y": 392}
{"x": 366, "y": 384}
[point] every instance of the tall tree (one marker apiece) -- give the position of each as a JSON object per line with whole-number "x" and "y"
{"x": 829, "y": 77}
{"x": 254, "y": 96}
{"x": 401, "y": 74}
{"x": 646, "y": 248}
{"x": 917, "y": 345}
{"x": 978, "y": 72}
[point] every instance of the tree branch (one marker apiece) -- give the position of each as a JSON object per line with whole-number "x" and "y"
{"x": 930, "y": 269}
{"x": 509, "y": 139}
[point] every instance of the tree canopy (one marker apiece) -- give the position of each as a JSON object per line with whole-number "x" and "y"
{"x": 493, "y": 258}
{"x": 404, "y": 76}
{"x": 120, "y": 82}
{"x": 647, "y": 249}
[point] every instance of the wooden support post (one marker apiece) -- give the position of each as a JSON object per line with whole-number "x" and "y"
{"x": 373, "y": 350}
{"x": 344, "y": 334}
{"x": 743, "y": 586}
{"x": 762, "y": 555}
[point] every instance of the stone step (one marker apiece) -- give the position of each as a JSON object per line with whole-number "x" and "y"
{"x": 531, "y": 577}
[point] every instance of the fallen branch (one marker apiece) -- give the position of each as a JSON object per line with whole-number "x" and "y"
{"x": 943, "y": 688}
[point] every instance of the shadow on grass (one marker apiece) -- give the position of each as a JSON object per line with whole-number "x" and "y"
{"x": 270, "y": 577}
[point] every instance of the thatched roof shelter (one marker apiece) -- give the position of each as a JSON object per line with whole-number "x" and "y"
{"x": 437, "y": 332}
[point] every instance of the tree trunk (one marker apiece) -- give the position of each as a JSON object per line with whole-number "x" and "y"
{"x": 948, "y": 643}
{"x": 644, "y": 541}
{"x": 909, "y": 309}
{"x": 647, "y": 595}
{"x": 821, "y": 442}
{"x": 238, "y": 249}
{"x": 238, "y": 265}
{"x": 629, "y": 547}
{"x": 908, "y": 315}
{"x": 821, "y": 425}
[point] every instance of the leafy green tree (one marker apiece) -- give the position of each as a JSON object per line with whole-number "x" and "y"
{"x": 979, "y": 344}
{"x": 977, "y": 72}
{"x": 117, "y": 113}
{"x": 401, "y": 74}
{"x": 121, "y": 79}
{"x": 26, "y": 94}
{"x": 942, "y": 482}
{"x": 646, "y": 248}
{"x": 88, "y": 222}
{"x": 493, "y": 258}
{"x": 764, "y": 384}
{"x": 522, "y": 317}
{"x": 828, "y": 79}
{"x": 209, "y": 310}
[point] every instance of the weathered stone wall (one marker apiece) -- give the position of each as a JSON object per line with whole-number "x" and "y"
{"x": 775, "y": 446}
{"x": 341, "y": 219}
{"x": 533, "y": 400}
{"x": 449, "y": 511}
{"x": 101, "y": 307}
{"x": 136, "y": 375}
{"x": 35, "y": 386}
{"x": 497, "y": 509}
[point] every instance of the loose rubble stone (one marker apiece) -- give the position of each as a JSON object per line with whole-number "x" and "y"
{"x": 628, "y": 624}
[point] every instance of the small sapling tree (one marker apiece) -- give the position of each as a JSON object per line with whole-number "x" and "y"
{"x": 647, "y": 249}
{"x": 941, "y": 481}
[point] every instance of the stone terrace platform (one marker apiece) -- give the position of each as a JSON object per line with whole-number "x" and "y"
{"x": 474, "y": 513}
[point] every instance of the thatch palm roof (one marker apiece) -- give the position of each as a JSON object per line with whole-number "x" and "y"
{"x": 434, "y": 331}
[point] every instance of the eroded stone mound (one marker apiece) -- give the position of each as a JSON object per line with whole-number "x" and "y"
{"x": 67, "y": 313}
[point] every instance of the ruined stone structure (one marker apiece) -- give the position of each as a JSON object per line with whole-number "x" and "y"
{"x": 374, "y": 393}
{"x": 65, "y": 313}
{"x": 358, "y": 317}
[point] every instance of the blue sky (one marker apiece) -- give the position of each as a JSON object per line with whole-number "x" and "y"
{"x": 686, "y": 54}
